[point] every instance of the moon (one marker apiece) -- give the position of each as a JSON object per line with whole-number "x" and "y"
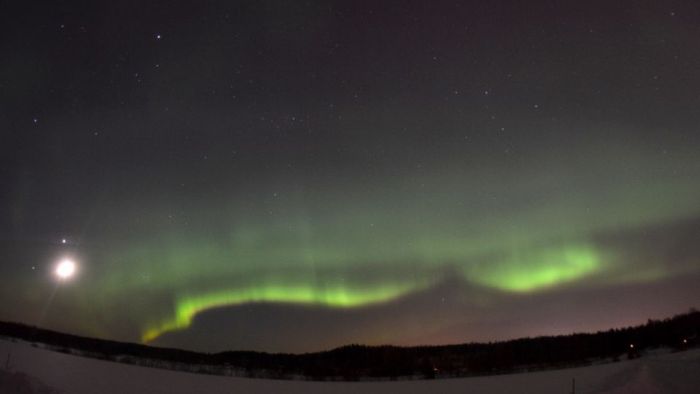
{"x": 65, "y": 269}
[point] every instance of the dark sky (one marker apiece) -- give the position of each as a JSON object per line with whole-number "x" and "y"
{"x": 294, "y": 176}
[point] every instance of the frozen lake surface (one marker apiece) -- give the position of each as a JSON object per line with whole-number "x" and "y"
{"x": 36, "y": 370}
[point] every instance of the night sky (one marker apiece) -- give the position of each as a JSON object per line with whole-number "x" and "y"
{"x": 295, "y": 176}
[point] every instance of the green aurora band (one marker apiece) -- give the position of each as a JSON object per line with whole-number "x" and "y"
{"x": 338, "y": 297}
{"x": 540, "y": 269}
{"x": 339, "y": 248}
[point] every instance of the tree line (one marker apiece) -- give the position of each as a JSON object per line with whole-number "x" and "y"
{"x": 360, "y": 362}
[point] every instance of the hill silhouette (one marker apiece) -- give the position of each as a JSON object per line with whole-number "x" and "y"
{"x": 359, "y": 362}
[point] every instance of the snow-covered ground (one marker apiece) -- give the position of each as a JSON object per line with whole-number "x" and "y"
{"x": 35, "y": 370}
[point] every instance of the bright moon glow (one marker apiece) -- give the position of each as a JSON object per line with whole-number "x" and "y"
{"x": 65, "y": 269}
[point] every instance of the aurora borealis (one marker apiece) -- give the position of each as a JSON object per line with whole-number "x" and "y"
{"x": 288, "y": 177}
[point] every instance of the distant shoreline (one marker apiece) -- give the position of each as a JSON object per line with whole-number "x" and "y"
{"x": 378, "y": 363}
